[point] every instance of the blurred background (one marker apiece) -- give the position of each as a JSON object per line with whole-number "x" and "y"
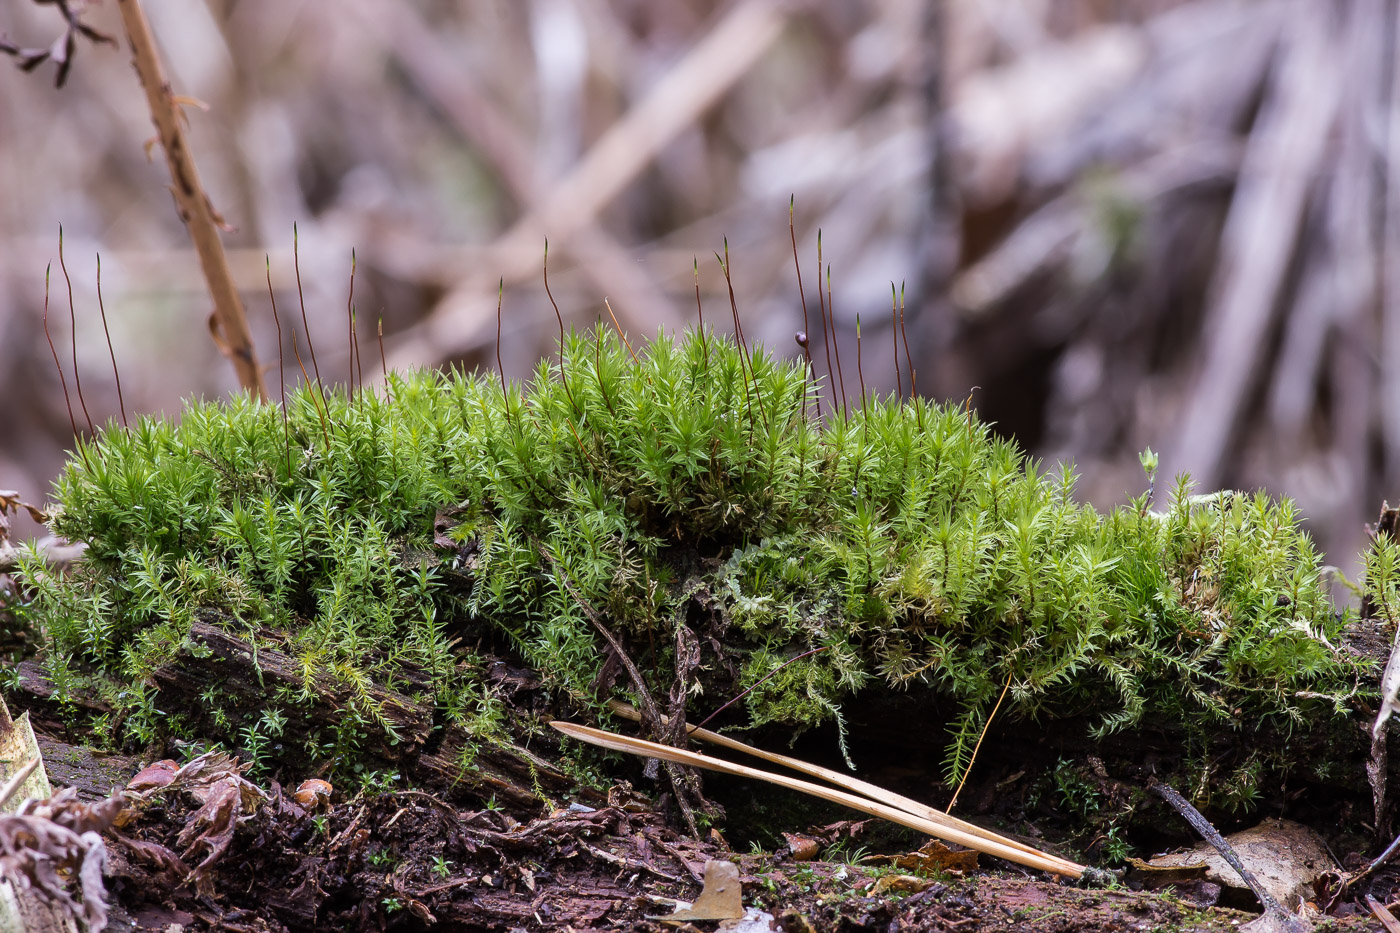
{"x": 1117, "y": 224}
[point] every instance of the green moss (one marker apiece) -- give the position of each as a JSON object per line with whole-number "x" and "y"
{"x": 905, "y": 539}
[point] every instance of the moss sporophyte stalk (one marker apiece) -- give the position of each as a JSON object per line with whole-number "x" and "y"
{"x": 691, "y": 486}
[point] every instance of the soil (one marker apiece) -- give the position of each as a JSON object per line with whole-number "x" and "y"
{"x": 434, "y": 857}
{"x": 408, "y": 860}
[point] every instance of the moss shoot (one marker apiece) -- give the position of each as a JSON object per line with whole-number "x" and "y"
{"x": 692, "y": 486}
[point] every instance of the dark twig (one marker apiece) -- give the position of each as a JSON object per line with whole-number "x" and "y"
{"x": 766, "y": 678}
{"x": 281, "y": 364}
{"x": 73, "y": 332}
{"x": 63, "y": 381}
{"x": 61, "y": 50}
{"x": 738, "y": 321}
{"x": 102, "y": 309}
{"x": 644, "y": 697}
{"x": 229, "y": 322}
{"x": 1209, "y": 833}
{"x": 860, "y": 369}
{"x": 350, "y": 324}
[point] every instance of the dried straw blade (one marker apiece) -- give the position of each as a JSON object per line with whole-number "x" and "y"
{"x": 855, "y": 785}
{"x": 997, "y": 846}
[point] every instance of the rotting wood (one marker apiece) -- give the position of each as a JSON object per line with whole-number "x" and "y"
{"x": 244, "y": 678}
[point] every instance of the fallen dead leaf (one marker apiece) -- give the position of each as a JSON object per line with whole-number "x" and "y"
{"x": 1285, "y": 856}
{"x": 932, "y": 857}
{"x": 721, "y": 897}
{"x": 900, "y": 884}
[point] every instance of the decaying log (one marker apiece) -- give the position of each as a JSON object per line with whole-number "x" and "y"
{"x": 244, "y": 677}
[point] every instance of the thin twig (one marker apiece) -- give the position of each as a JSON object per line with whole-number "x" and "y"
{"x": 644, "y": 697}
{"x": 1211, "y": 835}
{"x": 805, "y": 342}
{"x": 806, "y": 654}
{"x": 1001, "y": 848}
{"x": 860, "y": 368}
{"x": 13, "y": 785}
{"x": 700, "y": 310}
{"x": 738, "y": 334}
{"x": 350, "y": 325}
{"x": 908, "y": 359}
{"x": 826, "y": 339}
{"x": 194, "y": 206}
{"x": 500, "y": 296}
{"x": 620, "y": 332}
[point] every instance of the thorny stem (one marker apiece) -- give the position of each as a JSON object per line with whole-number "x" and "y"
{"x": 196, "y": 211}
{"x": 281, "y": 363}
{"x": 121, "y": 402}
{"x": 73, "y": 332}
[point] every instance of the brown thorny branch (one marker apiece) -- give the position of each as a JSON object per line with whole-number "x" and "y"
{"x": 228, "y": 324}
